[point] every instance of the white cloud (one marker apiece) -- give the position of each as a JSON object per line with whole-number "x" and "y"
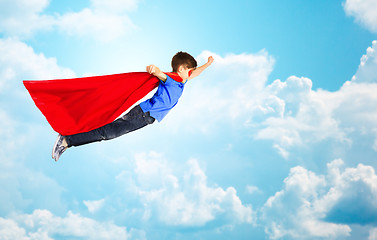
{"x": 367, "y": 71}
{"x": 365, "y": 12}
{"x": 373, "y": 234}
{"x": 305, "y": 116}
{"x": 309, "y": 116}
{"x": 102, "y": 20}
{"x": 18, "y": 62}
{"x": 22, "y": 188}
{"x": 7, "y": 131}
{"x": 233, "y": 93}
{"x": 183, "y": 201}
{"x": 289, "y": 113}
{"x": 252, "y": 189}
{"x": 290, "y": 213}
{"x": 42, "y": 224}
{"x": 102, "y": 25}
{"x": 20, "y": 185}
{"x": 24, "y": 17}
{"x": 350, "y": 198}
{"x": 230, "y": 89}
{"x": 94, "y": 205}
{"x": 9, "y": 229}
{"x": 313, "y": 206}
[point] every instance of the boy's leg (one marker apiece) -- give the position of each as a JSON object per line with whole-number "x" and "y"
{"x": 133, "y": 120}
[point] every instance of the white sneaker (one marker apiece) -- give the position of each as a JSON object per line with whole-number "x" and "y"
{"x": 58, "y": 148}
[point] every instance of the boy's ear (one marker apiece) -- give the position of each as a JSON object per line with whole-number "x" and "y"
{"x": 181, "y": 68}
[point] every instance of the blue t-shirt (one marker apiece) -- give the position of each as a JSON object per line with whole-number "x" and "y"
{"x": 164, "y": 99}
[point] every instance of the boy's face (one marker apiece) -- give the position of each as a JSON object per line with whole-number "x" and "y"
{"x": 184, "y": 72}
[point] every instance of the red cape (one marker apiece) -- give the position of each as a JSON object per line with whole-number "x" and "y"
{"x": 82, "y": 104}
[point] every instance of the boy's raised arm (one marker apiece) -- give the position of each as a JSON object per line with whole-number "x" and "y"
{"x": 152, "y": 69}
{"x": 200, "y": 69}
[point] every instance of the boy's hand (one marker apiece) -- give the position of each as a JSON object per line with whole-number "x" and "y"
{"x": 196, "y": 72}
{"x": 210, "y": 60}
{"x": 152, "y": 69}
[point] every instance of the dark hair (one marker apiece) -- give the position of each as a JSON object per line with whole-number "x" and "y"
{"x": 183, "y": 58}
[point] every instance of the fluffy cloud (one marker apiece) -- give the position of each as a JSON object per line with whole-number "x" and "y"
{"x": 230, "y": 90}
{"x": 18, "y": 183}
{"x": 18, "y": 62}
{"x": 302, "y": 116}
{"x": 313, "y": 116}
{"x": 9, "y": 229}
{"x": 102, "y": 20}
{"x": 42, "y": 224}
{"x": 312, "y": 206}
{"x": 234, "y": 92}
{"x": 252, "y": 189}
{"x": 350, "y": 198}
{"x": 95, "y": 205}
{"x": 367, "y": 71}
{"x": 183, "y": 201}
{"x": 24, "y": 17}
{"x": 373, "y": 234}
{"x": 365, "y": 12}
{"x": 20, "y": 187}
{"x": 103, "y": 23}
{"x": 309, "y": 116}
{"x": 292, "y": 211}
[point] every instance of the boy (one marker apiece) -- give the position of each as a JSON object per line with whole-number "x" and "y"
{"x": 169, "y": 91}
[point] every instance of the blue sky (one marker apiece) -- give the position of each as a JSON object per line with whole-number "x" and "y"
{"x": 276, "y": 140}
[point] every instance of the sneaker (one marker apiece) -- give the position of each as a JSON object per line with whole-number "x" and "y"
{"x": 58, "y": 141}
{"x": 59, "y": 151}
{"x": 58, "y": 148}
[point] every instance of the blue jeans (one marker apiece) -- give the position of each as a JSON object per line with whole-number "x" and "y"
{"x": 133, "y": 120}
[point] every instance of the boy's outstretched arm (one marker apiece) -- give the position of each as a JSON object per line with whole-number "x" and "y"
{"x": 196, "y": 72}
{"x": 152, "y": 69}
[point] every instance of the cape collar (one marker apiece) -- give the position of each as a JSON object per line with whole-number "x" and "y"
{"x": 174, "y": 76}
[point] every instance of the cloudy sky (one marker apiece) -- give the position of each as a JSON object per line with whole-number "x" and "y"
{"x": 276, "y": 140}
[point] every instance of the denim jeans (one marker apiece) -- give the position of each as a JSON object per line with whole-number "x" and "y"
{"x": 133, "y": 120}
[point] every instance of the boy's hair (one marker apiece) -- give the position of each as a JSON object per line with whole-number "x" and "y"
{"x": 183, "y": 58}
